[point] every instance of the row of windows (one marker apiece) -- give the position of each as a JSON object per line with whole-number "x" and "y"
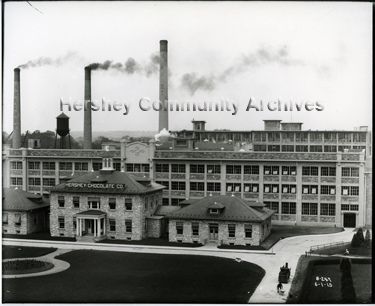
{"x": 309, "y": 209}
{"x": 94, "y": 203}
{"x": 111, "y": 223}
{"x": 303, "y": 148}
{"x": 231, "y": 229}
{"x": 17, "y": 219}
{"x": 314, "y": 137}
{"x": 137, "y": 167}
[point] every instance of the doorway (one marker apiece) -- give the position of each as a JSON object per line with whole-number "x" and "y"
{"x": 214, "y": 232}
{"x": 349, "y": 220}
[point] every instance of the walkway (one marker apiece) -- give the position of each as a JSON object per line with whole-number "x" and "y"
{"x": 58, "y": 265}
{"x": 286, "y": 250}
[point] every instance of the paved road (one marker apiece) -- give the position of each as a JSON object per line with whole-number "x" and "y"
{"x": 286, "y": 250}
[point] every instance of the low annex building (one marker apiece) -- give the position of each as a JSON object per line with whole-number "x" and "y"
{"x": 221, "y": 219}
{"x": 106, "y": 204}
{"x": 24, "y": 212}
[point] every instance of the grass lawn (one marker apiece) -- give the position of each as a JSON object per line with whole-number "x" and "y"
{"x": 306, "y": 288}
{"x": 102, "y": 277}
{"x": 360, "y": 251}
{"x": 283, "y": 231}
{"x": 24, "y": 252}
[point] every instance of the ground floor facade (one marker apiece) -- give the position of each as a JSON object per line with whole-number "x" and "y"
{"x": 25, "y": 222}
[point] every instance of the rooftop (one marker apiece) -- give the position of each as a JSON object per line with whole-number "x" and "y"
{"x": 232, "y": 209}
{"x": 20, "y": 200}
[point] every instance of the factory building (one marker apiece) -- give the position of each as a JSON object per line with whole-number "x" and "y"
{"x": 318, "y": 178}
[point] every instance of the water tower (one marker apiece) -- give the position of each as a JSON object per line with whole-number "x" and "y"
{"x": 62, "y": 129}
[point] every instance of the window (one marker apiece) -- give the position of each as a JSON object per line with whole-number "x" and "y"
{"x": 350, "y": 172}
{"x": 345, "y": 207}
{"x": 273, "y": 148}
{"x": 34, "y": 181}
{"x": 309, "y": 189}
{"x": 49, "y": 182}
{"x": 76, "y": 202}
{"x": 128, "y": 226}
{"x": 213, "y": 211}
{"x": 301, "y": 148}
{"x": 330, "y": 149}
{"x": 354, "y": 207}
{"x": 350, "y": 190}
{"x": 287, "y": 148}
{"x": 178, "y": 168}
{"x": 61, "y": 201}
{"x": 234, "y": 187}
{"x": 179, "y": 228}
{"x": 176, "y": 201}
{"x": 316, "y": 137}
{"x": 5, "y": 218}
{"x": 324, "y": 189}
{"x": 233, "y": 169}
{"x": 197, "y": 186}
{"x": 288, "y": 170}
{"x": 213, "y": 186}
{"x": 329, "y": 136}
{"x": 271, "y": 170}
{"x": 316, "y": 149}
{"x": 248, "y": 230}
{"x": 96, "y": 166}
{"x": 288, "y": 136}
{"x": 16, "y": 165}
{"x": 48, "y": 165}
{"x": 289, "y": 188}
{"x": 178, "y": 186}
{"x": 260, "y": 148}
{"x": 112, "y": 203}
{"x": 345, "y": 137}
{"x": 310, "y": 209}
{"x": 34, "y": 165}
{"x": 328, "y": 171}
{"x": 94, "y": 202}
{"x": 251, "y": 188}
{"x": 213, "y": 169}
{"x": 251, "y": 169}
{"x": 288, "y": 208}
{"x": 272, "y": 205}
{"x": 310, "y": 171}
{"x": 197, "y": 169}
{"x": 128, "y": 203}
{"x": 231, "y": 230}
{"x": 117, "y": 166}
{"x": 271, "y": 188}
{"x": 81, "y": 166}
{"x": 61, "y": 222}
{"x": 327, "y": 209}
{"x": 74, "y": 223}
{"x": 112, "y": 225}
{"x": 273, "y": 136}
{"x": 17, "y": 181}
{"x": 164, "y": 183}
{"x": 302, "y": 137}
{"x": 65, "y": 166}
{"x": 137, "y": 167}
{"x": 260, "y": 136}
{"x": 195, "y": 228}
{"x": 162, "y": 168}
{"x": 165, "y": 202}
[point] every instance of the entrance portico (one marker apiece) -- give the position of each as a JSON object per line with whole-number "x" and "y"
{"x": 91, "y": 224}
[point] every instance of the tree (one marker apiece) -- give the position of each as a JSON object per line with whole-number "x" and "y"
{"x": 360, "y": 235}
{"x": 367, "y": 239}
{"x": 347, "y": 288}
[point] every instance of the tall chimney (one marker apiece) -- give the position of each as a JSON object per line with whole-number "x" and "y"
{"x": 87, "y": 125}
{"x": 163, "y": 85}
{"x": 16, "y": 141}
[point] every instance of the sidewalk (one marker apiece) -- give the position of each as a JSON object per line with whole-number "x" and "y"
{"x": 286, "y": 250}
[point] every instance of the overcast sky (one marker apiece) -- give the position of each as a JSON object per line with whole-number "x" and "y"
{"x": 292, "y": 52}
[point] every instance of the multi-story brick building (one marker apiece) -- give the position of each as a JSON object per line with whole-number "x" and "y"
{"x": 308, "y": 177}
{"x": 106, "y": 204}
{"x": 225, "y": 220}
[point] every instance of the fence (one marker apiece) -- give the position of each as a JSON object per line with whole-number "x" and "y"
{"x": 318, "y": 247}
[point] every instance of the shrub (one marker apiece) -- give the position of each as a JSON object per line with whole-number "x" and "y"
{"x": 356, "y": 242}
{"x": 347, "y": 288}
{"x": 360, "y": 235}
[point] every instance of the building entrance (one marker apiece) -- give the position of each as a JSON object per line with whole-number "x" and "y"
{"x": 214, "y": 232}
{"x": 349, "y": 220}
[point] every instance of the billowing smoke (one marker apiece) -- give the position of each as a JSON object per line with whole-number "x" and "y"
{"x": 130, "y": 66}
{"x": 49, "y": 61}
{"x": 261, "y": 57}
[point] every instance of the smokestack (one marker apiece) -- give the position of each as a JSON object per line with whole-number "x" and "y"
{"x": 163, "y": 85}
{"x": 16, "y": 143}
{"x": 87, "y": 125}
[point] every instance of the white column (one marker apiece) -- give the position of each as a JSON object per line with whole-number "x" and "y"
{"x": 99, "y": 228}
{"x": 95, "y": 227}
{"x": 77, "y": 222}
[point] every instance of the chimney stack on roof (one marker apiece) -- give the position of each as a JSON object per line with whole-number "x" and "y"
{"x": 163, "y": 85}
{"x": 87, "y": 124}
{"x": 16, "y": 141}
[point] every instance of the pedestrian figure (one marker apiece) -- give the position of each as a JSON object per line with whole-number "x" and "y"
{"x": 279, "y": 287}
{"x": 346, "y": 252}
